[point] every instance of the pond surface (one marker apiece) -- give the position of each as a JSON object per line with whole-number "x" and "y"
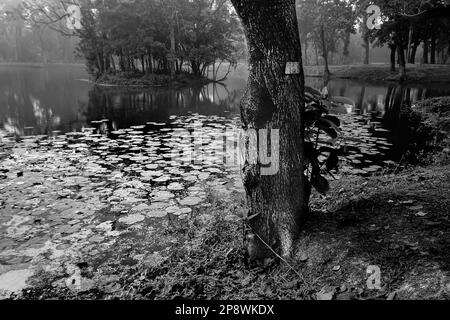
{"x": 53, "y": 101}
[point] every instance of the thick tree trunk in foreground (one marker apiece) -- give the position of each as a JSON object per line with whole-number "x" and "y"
{"x": 274, "y": 100}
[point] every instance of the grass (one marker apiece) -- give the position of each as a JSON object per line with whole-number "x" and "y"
{"x": 382, "y": 72}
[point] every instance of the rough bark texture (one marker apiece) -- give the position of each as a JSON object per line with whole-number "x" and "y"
{"x": 274, "y": 100}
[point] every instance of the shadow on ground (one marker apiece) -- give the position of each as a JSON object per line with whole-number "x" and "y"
{"x": 398, "y": 223}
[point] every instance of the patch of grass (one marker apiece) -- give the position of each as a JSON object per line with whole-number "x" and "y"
{"x": 433, "y": 121}
{"x": 382, "y": 72}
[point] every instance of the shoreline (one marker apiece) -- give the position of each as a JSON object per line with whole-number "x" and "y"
{"x": 140, "y": 81}
{"x": 425, "y": 74}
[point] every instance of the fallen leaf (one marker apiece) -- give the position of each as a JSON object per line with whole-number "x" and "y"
{"x": 326, "y": 294}
{"x": 304, "y": 257}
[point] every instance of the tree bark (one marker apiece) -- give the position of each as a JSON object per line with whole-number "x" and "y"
{"x": 433, "y": 50}
{"x": 172, "y": 60}
{"x": 274, "y": 100}
{"x": 410, "y": 39}
{"x": 425, "y": 52}
{"x": 412, "y": 56}
{"x": 345, "y": 51}
{"x": 366, "y": 41}
{"x": 401, "y": 62}
{"x": 326, "y": 72}
{"x": 393, "y": 48}
{"x": 306, "y": 49}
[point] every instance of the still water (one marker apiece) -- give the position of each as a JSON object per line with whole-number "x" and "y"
{"x": 57, "y": 100}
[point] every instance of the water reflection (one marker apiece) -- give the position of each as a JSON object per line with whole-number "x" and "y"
{"x": 40, "y": 100}
{"x": 53, "y": 101}
{"x": 127, "y": 108}
{"x": 379, "y": 98}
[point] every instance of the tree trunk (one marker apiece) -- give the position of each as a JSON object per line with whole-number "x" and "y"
{"x": 393, "y": 53}
{"x": 433, "y": 50}
{"x": 412, "y": 56}
{"x": 306, "y": 50}
{"x": 172, "y": 59}
{"x": 410, "y": 38}
{"x": 345, "y": 51}
{"x": 401, "y": 62}
{"x": 366, "y": 42}
{"x": 326, "y": 72}
{"x": 317, "y": 55}
{"x": 274, "y": 101}
{"x": 18, "y": 40}
{"x": 425, "y": 52}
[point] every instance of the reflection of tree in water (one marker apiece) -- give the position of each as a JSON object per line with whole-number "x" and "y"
{"x": 38, "y": 101}
{"x": 398, "y": 120}
{"x": 126, "y": 107}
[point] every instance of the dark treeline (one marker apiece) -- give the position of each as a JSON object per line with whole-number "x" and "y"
{"x": 410, "y": 24}
{"x": 148, "y": 36}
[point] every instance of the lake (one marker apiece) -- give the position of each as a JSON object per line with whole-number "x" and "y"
{"x": 58, "y": 101}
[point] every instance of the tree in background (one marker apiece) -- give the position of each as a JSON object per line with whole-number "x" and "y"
{"x": 149, "y": 36}
{"x": 406, "y": 24}
{"x": 23, "y": 41}
{"x": 327, "y": 23}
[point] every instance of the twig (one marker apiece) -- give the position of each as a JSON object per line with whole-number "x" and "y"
{"x": 278, "y": 256}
